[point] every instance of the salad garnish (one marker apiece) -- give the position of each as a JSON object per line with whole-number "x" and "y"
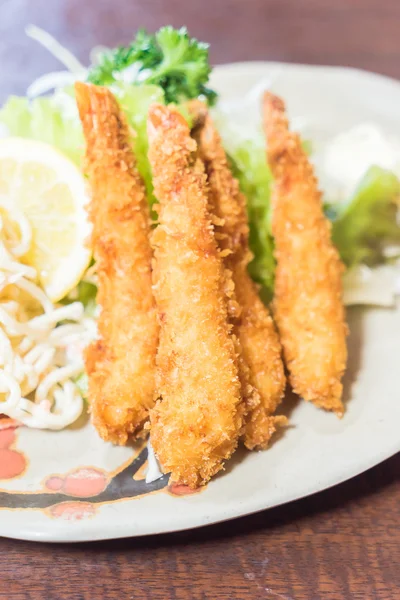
{"x": 170, "y": 58}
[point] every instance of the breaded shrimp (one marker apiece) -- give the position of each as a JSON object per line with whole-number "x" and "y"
{"x": 121, "y": 363}
{"x": 308, "y": 303}
{"x": 196, "y": 423}
{"x": 252, "y": 324}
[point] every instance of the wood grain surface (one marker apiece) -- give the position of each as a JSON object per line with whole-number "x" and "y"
{"x": 341, "y": 544}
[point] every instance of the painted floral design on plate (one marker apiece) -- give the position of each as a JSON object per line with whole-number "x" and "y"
{"x": 76, "y": 493}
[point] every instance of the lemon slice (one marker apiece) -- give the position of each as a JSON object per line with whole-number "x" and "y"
{"x": 50, "y": 191}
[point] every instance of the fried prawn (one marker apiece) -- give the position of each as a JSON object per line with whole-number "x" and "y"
{"x": 308, "y": 303}
{"x": 196, "y": 423}
{"x": 121, "y": 363}
{"x": 258, "y": 340}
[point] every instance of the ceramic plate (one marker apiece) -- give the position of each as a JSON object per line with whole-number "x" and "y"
{"x": 71, "y": 486}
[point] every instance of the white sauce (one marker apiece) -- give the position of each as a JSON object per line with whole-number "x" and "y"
{"x": 344, "y": 159}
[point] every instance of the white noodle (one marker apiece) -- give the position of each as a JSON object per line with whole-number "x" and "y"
{"x": 39, "y": 355}
{"x": 34, "y": 291}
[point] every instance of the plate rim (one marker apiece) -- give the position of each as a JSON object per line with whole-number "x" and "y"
{"x": 318, "y": 67}
{"x": 30, "y": 533}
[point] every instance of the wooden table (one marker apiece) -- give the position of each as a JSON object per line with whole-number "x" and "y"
{"x": 341, "y": 544}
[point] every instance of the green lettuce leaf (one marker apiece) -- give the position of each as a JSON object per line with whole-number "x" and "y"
{"x": 135, "y": 101}
{"x": 44, "y": 119}
{"x": 368, "y": 221}
{"x": 249, "y": 165}
{"x": 55, "y": 120}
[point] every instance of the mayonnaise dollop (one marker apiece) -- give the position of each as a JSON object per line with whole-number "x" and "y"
{"x": 344, "y": 159}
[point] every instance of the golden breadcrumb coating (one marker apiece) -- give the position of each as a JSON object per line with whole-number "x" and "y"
{"x": 196, "y": 423}
{"x": 121, "y": 363}
{"x": 308, "y": 303}
{"x": 259, "y": 344}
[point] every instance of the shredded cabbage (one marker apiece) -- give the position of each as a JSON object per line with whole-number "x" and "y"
{"x": 56, "y": 49}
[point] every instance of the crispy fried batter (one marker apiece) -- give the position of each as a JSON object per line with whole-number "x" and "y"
{"x": 259, "y": 345}
{"x": 249, "y": 394}
{"x": 121, "y": 363}
{"x": 308, "y": 289}
{"x": 196, "y": 424}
